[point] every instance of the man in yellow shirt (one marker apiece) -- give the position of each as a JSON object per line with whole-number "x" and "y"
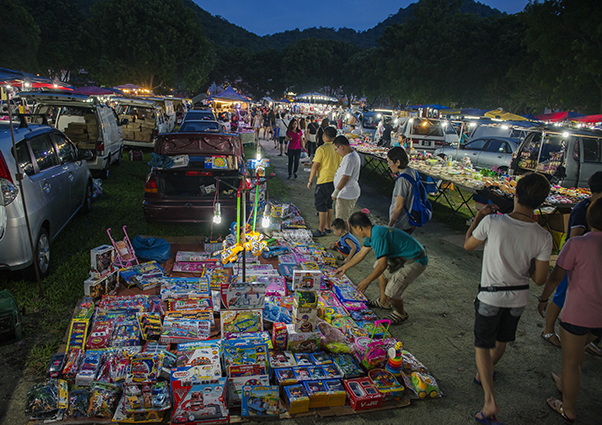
{"x": 326, "y": 163}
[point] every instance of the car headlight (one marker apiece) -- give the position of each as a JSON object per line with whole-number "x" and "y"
{"x": 8, "y": 192}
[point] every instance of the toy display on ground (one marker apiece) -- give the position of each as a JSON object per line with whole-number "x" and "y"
{"x": 285, "y": 340}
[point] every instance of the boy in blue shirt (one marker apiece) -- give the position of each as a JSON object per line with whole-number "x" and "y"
{"x": 400, "y": 259}
{"x": 348, "y": 245}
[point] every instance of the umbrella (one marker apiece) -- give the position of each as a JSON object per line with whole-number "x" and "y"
{"x": 558, "y": 116}
{"x": 590, "y": 118}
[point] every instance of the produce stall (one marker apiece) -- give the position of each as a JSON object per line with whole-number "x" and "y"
{"x": 256, "y": 326}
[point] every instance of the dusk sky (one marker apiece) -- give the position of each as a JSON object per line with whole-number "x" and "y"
{"x": 270, "y": 16}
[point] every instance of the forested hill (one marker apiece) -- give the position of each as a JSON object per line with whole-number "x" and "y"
{"x": 226, "y": 34}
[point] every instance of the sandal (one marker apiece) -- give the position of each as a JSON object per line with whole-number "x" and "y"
{"x": 397, "y": 318}
{"x": 552, "y": 338}
{"x": 491, "y": 420}
{"x": 375, "y": 303}
{"x": 478, "y": 382}
{"x": 556, "y": 405}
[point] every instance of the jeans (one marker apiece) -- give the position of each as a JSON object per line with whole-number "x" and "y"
{"x": 294, "y": 155}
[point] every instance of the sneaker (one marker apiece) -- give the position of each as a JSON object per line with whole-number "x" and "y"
{"x": 295, "y": 175}
{"x": 318, "y": 234}
{"x": 290, "y": 177}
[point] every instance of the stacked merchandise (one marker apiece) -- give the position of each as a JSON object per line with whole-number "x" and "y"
{"x": 103, "y": 273}
{"x": 294, "y": 333}
{"x": 83, "y": 131}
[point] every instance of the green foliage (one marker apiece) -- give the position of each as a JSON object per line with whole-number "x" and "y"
{"x": 20, "y": 35}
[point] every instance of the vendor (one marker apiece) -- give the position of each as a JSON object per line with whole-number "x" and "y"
{"x": 400, "y": 259}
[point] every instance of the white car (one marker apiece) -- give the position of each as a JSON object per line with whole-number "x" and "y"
{"x": 145, "y": 121}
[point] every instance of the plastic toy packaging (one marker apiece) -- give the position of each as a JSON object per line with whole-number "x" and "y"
{"x": 78, "y": 403}
{"x": 412, "y": 364}
{"x": 103, "y": 398}
{"x": 150, "y": 325}
{"x": 330, "y": 334}
{"x": 89, "y": 368}
{"x": 347, "y": 365}
{"x": 47, "y": 400}
{"x": 422, "y": 385}
{"x": 386, "y": 383}
{"x": 100, "y": 334}
{"x": 56, "y": 365}
{"x": 126, "y": 333}
{"x": 260, "y": 401}
{"x": 275, "y": 313}
{"x": 72, "y": 361}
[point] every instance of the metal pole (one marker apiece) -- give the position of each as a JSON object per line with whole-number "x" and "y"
{"x": 19, "y": 177}
{"x": 244, "y": 231}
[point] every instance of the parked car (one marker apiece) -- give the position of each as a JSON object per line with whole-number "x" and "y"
{"x": 169, "y": 112}
{"x": 484, "y": 152}
{"x": 427, "y": 134}
{"x": 87, "y": 122}
{"x": 200, "y": 114}
{"x": 56, "y": 183}
{"x": 214, "y": 163}
{"x": 199, "y": 126}
{"x": 566, "y": 157}
{"x": 145, "y": 121}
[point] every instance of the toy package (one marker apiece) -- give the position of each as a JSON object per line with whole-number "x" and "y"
{"x": 362, "y": 394}
{"x": 183, "y": 287}
{"x": 247, "y": 355}
{"x": 348, "y": 366}
{"x": 144, "y": 398}
{"x": 106, "y": 284}
{"x": 77, "y": 334}
{"x": 280, "y": 359}
{"x": 219, "y": 276}
{"x": 386, "y": 383}
{"x": 123, "y": 303}
{"x": 336, "y": 392}
{"x": 144, "y": 368}
{"x": 306, "y": 280}
{"x": 305, "y": 319}
{"x": 193, "y": 257}
{"x": 194, "y": 354}
{"x": 296, "y": 398}
{"x": 260, "y": 401}
{"x": 178, "y": 330}
{"x": 47, "y": 400}
{"x": 150, "y": 325}
{"x": 57, "y": 362}
{"x": 234, "y": 322}
{"x": 276, "y": 286}
{"x": 372, "y": 352}
{"x": 422, "y": 384}
{"x": 126, "y": 332}
{"x": 102, "y": 401}
{"x": 100, "y": 334}
{"x": 190, "y": 304}
{"x": 304, "y": 342}
{"x": 318, "y": 394}
{"x": 331, "y": 371}
{"x": 276, "y": 313}
{"x": 236, "y": 385}
{"x": 78, "y": 403}
{"x": 88, "y": 369}
{"x": 243, "y": 295}
{"x": 305, "y": 299}
{"x": 303, "y": 359}
{"x": 101, "y": 261}
{"x": 197, "y": 400}
{"x": 139, "y": 273}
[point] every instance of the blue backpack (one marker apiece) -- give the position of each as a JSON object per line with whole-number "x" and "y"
{"x": 422, "y": 210}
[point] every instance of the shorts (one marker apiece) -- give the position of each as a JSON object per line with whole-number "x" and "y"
{"x": 401, "y": 278}
{"x": 494, "y": 324}
{"x": 342, "y": 249}
{"x": 580, "y": 330}
{"x": 560, "y": 294}
{"x": 343, "y": 208}
{"x": 323, "y": 197}
{"x": 281, "y": 140}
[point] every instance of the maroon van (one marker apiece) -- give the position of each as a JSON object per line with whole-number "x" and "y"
{"x": 199, "y": 169}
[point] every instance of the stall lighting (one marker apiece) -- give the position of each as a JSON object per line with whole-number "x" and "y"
{"x": 378, "y": 115}
{"x": 443, "y": 124}
{"x": 505, "y": 127}
{"x": 217, "y": 213}
{"x": 425, "y": 123}
{"x": 565, "y": 134}
{"x": 26, "y": 84}
{"x": 265, "y": 221}
{"x": 473, "y": 124}
{"x": 258, "y": 156}
{"x": 411, "y": 120}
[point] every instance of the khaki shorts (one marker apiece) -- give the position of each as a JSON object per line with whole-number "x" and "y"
{"x": 343, "y": 208}
{"x": 399, "y": 280}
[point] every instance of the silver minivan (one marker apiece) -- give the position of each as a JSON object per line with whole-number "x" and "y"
{"x": 87, "y": 122}
{"x": 56, "y": 183}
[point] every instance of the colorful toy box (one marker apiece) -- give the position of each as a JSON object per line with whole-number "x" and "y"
{"x": 178, "y": 330}
{"x": 184, "y": 287}
{"x": 279, "y": 336}
{"x": 362, "y": 394}
{"x": 304, "y": 342}
{"x": 236, "y": 385}
{"x": 305, "y": 319}
{"x": 248, "y": 354}
{"x": 386, "y": 383}
{"x": 318, "y": 394}
{"x": 336, "y": 392}
{"x": 305, "y": 299}
{"x": 234, "y": 322}
{"x": 296, "y": 398}
{"x": 101, "y": 261}
{"x": 196, "y": 400}
{"x": 202, "y": 353}
{"x": 348, "y": 365}
{"x": 260, "y": 401}
{"x": 306, "y": 280}
{"x": 96, "y": 287}
{"x": 243, "y": 295}
{"x": 285, "y": 376}
{"x": 279, "y": 359}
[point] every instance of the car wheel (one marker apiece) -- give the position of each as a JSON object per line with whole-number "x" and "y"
{"x": 87, "y": 205}
{"x": 104, "y": 173}
{"x": 41, "y": 257}
{"x": 119, "y": 157}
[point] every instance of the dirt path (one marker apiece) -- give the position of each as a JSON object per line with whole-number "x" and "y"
{"x": 440, "y": 330}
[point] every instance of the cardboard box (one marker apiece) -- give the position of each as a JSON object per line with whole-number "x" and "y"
{"x": 296, "y": 398}
{"x": 106, "y": 285}
{"x": 243, "y": 295}
{"x": 305, "y": 319}
{"x": 362, "y": 394}
{"x": 260, "y": 401}
{"x": 336, "y": 392}
{"x": 235, "y": 322}
{"x": 197, "y": 400}
{"x": 318, "y": 395}
{"x": 305, "y": 342}
{"x": 306, "y": 280}
{"x": 235, "y": 386}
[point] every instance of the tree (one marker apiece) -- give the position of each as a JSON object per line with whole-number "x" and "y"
{"x": 152, "y": 43}
{"x": 20, "y": 37}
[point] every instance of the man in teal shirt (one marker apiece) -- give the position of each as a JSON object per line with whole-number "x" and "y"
{"x": 400, "y": 259}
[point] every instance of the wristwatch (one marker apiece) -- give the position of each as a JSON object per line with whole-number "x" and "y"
{"x": 542, "y": 301}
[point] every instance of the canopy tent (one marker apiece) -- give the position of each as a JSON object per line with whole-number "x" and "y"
{"x": 30, "y": 81}
{"x": 284, "y": 100}
{"x": 315, "y": 98}
{"x": 504, "y": 116}
{"x": 590, "y": 118}
{"x": 558, "y": 116}
{"x": 128, "y": 87}
{"x": 432, "y": 106}
{"x": 229, "y": 95}
{"x": 474, "y": 112}
{"x": 97, "y": 91}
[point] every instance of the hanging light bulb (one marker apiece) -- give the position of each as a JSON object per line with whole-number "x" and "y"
{"x": 217, "y": 213}
{"x": 265, "y": 221}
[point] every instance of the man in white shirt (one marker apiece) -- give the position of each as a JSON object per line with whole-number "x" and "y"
{"x": 346, "y": 180}
{"x": 516, "y": 248}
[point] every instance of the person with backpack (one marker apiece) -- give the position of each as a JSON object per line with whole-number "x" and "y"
{"x": 400, "y": 259}
{"x": 312, "y": 131}
{"x": 410, "y": 208}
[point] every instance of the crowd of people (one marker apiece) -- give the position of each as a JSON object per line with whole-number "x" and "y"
{"x": 516, "y": 250}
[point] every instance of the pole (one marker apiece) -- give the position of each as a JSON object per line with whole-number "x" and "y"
{"x": 244, "y": 232}
{"x": 19, "y": 177}
{"x": 255, "y": 207}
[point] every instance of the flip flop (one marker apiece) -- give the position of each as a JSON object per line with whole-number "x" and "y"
{"x": 476, "y": 381}
{"x": 556, "y": 405}
{"x": 593, "y": 349}
{"x": 376, "y": 303}
{"x": 491, "y": 420}
{"x": 552, "y": 338}
{"x": 397, "y": 318}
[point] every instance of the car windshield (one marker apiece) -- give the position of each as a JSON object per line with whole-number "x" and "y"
{"x": 370, "y": 121}
{"x": 426, "y": 127}
{"x": 198, "y": 126}
{"x": 199, "y": 115}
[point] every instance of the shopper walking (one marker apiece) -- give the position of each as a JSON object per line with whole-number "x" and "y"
{"x": 312, "y": 130}
{"x": 257, "y": 124}
{"x": 282, "y": 124}
{"x": 346, "y": 179}
{"x": 516, "y": 248}
{"x": 402, "y": 198}
{"x": 294, "y": 137}
{"x": 320, "y": 134}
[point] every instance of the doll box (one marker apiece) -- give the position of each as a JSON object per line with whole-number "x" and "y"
{"x": 105, "y": 285}
{"x": 101, "y": 260}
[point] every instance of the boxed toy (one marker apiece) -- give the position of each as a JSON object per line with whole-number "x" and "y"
{"x": 101, "y": 261}
{"x": 305, "y": 299}
{"x": 386, "y": 383}
{"x": 348, "y": 365}
{"x": 285, "y": 376}
{"x": 150, "y": 325}
{"x": 201, "y": 353}
{"x": 332, "y": 371}
{"x": 104, "y": 285}
{"x": 362, "y": 394}
{"x": 279, "y": 359}
{"x": 304, "y": 342}
{"x": 336, "y": 392}
{"x": 318, "y": 395}
{"x": 279, "y": 336}
{"x": 296, "y": 398}
{"x": 303, "y": 359}
{"x": 243, "y": 295}
{"x": 190, "y": 303}
{"x": 235, "y": 322}
{"x": 183, "y": 287}
{"x": 235, "y": 387}
{"x": 321, "y": 358}
{"x": 260, "y": 401}
{"x": 197, "y": 400}
{"x": 252, "y": 354}
{"x": 306, "y": 280}
{"x": 178, "y": 330}
{"x": 141, "y": 273}
{"x": 77, "y": 334}
{"x": 305, "y": 319}
{"x": 100, "y": 334}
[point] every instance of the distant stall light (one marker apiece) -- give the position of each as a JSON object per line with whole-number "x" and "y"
{"x": 473, "y": 124}
{"x": 443, "y": 123}
{"x": 565, "y": 134}
{"x": 505, "y": 126}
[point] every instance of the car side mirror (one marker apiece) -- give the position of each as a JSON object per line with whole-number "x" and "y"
{"x": 84, "y": 155}
{"x": 124, "y": 121}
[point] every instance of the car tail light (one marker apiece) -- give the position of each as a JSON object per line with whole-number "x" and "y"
{"x": 151, "y": 185}
{"x": 8, "y": 192}
{"x": 194, "y": 173}
{"x": 439, "y": 143}
{"x": 4, "y": 171}
{"x": 100, "y": 147}
{"x": 156, "y": 133}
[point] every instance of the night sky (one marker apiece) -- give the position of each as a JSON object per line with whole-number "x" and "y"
{"x": 270, "y": 16}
